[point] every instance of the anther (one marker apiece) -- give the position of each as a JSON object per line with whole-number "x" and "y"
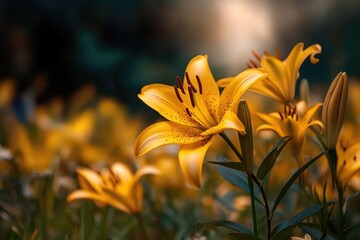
{"x": 191, "y": 94}
{"x": 294, "y": 110}
{"x": 285, "y": 111}
{"x": 249, "y": 65}
{"x": 277, "y": 53}
{"x": 180, "y": 84}
{"x": 177, "y": 93}
{"x": 189, "y": 82}
{"x": 297, "y": 117}
{"x": 188, "y": 112}
{"x": 199, "y": 84}
{"x": 354, "y": 158}
{"x": 254, "y": 63}
{"x": 281, "y": 116}
{"x": 266, "y": 53}
{"x": 255, "y": 53}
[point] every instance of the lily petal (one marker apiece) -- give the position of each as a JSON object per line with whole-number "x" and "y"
{"x": 199, "y": 66}
{"x": 229, "y": 121}
{"x": 191, "y": 158}
{"x": 162, "y": 98}
{"x": 224, "y": 82}
{"x": 89, "y": 180}
{"x": 310, "y": 113}
{"x": 121, "y": 171}
{"x": 163, "y": 133}
{"x": 231, "y": 95}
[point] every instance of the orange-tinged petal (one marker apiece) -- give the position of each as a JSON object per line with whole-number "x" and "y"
{"x": 162, "y": 98}
{"x": 83, "y": 194}
{"x": 229, "y": 121}
{"x": 231, "y": 95}
{"x": 310, "y": 113}
{"x": 122, "y": 171}
{"x": 124, "y": 203}
{"x": 224, "y": 82}
{"x": 199, "y": 66}
{"x": 163, "y": 133}
{"x": 348, "y": 163}
{"x": 89, "y": 180}
{"x": 278, "y": 76}
{"x": 191, "y": 158}
{"x": 277, "y": 130}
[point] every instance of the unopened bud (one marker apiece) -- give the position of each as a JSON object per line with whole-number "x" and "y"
{"x": 246, "y": 141}
{"x": 334, "y": 109}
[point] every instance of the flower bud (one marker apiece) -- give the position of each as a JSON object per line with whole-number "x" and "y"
{"x": 334, "y": 109}
{"x": 246, "y": 141}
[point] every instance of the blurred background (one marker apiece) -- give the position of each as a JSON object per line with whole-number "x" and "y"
{"x": 54, "y": 48}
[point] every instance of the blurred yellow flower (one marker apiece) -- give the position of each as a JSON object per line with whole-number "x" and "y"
{"x": 281, "y": 82}
{"x": 291, "y": 123}
{"x": 306, "y": 237}
{"x": 116, "y": 186}
{"x": 196, "y": 114}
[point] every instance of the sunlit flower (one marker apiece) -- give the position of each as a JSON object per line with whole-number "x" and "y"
{"x": 291, "y": 123}
{"x": 281, "y": 82}
{"x": 196, "y": 114}
{"x": 116, "y": 186}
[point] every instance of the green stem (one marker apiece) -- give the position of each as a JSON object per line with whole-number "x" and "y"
{"x": 232, "y": 146}
{"x": 253, "y": 209}
{"x": 333, "y": 161}
{"x": 142, "y": 225}
{"x": 266, "y": 205}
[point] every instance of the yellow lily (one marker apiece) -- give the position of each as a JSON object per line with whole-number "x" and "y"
{"x": 196, "y": 114}
{"x": 291, "y": 123}
{"x": 116, "y": 186}
{"x": 281, "y": 82}
{"x": 348, "y": 161}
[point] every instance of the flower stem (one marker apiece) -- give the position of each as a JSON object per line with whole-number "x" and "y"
{"x": 142, "y": 225}
{"x": 253, "y": 209}
{"x": 333, "y": 160}
{"x": 232, "y": 146}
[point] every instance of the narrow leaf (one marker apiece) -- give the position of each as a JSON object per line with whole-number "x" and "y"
{"x": 226, "y": 224}
{"x": 233, "y": 165}
{"x": 269, "y": 161}
{"x": 238, "y": 179}
{"x": 284, "y": 228}
{"x": 292, "y": 180}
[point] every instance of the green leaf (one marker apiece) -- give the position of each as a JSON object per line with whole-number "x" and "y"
{"x": 233, "y": 165}
{"x": 353, "y": 232}
{"x": 269, "y": 161}
{"x": 226, "y": 224}
{"x": 243, "y": 236}
{"x": 284, "y": 228}
{"x": 238, "y": 179}
{"x": 292, "y": 180}
{"x": 315, "y": 230}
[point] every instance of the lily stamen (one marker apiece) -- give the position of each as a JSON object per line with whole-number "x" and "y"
{"x": 256, "y": 54}
{"x": 191, "y": 94}
{"x": 281, "y": 116}
{"x": 188, "y": 112}
{"x": 190, "y": 83}
{"x": 176, "y": 89}
{"x": 178, "y": 79}
{"x": 199, "y": 84}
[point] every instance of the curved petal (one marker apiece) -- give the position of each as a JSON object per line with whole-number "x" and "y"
{"x": 315, "y": 123}
{"x": 199, "y": 66}
{"x": 89, "y": 179}
{"x": 229, "y": 121}
{"x": 278, "y": 76}
{"x": 163, "y": 133}
{"x": 162, "y": 98}
{"x": 224, "y": 82}
{"x": 83, "y": 194}
{"x": 278, "y": 131}
{"x": 118, "y": 201}
{"x": 122, "y": 171}
{"x": 310, "y": 113}
{"x": 272, "y": 118}
{"x": 231, "y": 95}
{"x": 191, "y": 158}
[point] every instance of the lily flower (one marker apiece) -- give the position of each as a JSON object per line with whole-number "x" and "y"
{"x": 291, "y": 123}
{"x": 196, "y": 113}
{"x": 281, "y": 82}
{"x": 348, "y": 161}
{"x": 116, "y": 186}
